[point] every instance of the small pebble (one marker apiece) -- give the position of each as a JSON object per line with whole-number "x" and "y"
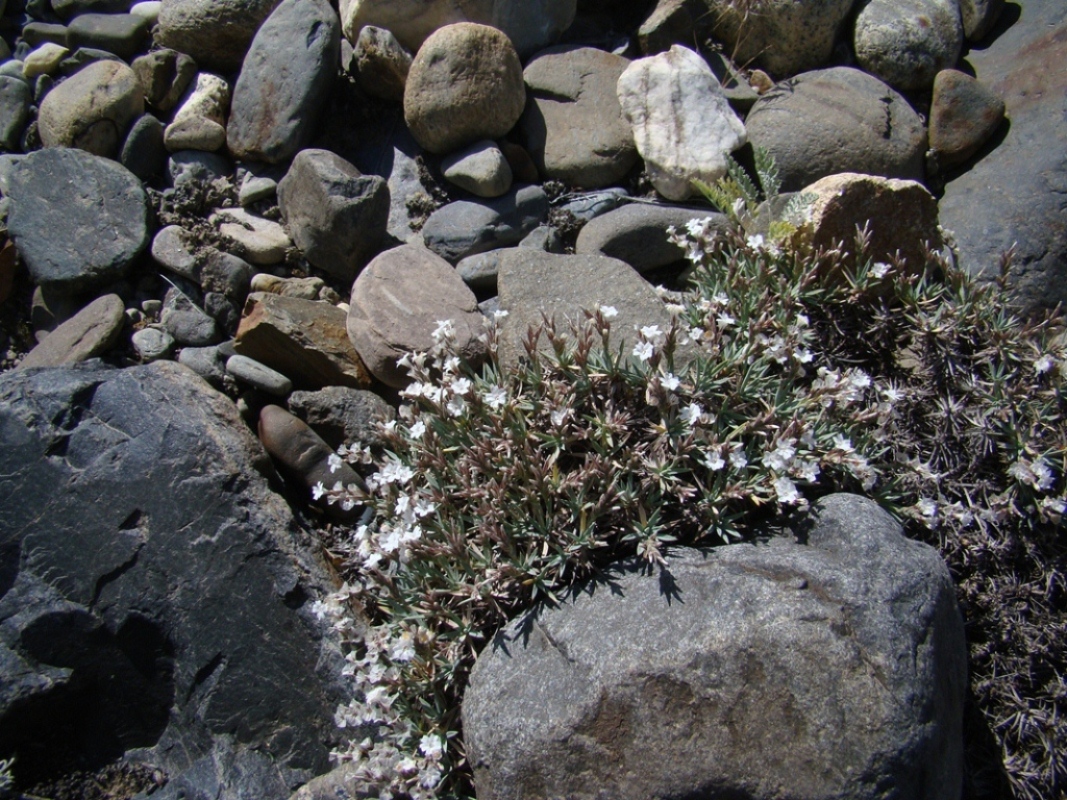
{"x": 153, "y": 344}
{"x": 259, "y": 376}
{"x": 45, "y": 60}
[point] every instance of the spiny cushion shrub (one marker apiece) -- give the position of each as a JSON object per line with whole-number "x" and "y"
{"x": 770, "y": 388}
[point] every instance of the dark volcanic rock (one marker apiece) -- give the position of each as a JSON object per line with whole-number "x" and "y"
{"x": 154, "y": 591}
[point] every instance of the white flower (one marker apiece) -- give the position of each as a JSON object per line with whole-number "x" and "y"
{"x": 457, "y": 406}
{"x": 806, "y": 470}
{"x": 318, "y": 490}
{"x": 843, "y": 444}
{"x": 927, "y": 508}
{"x": 417, "y": 430}
{"x": 691, "y": 414}
{"x": 431, "y": 746}
{"x": 1033, "y": 473}
{"x": 643, "y": 351}
{"x": 451, "y": 365}
{"x": 670, "y": 382}
{"x": 499, "y": 314}
{"x": 559, "y": 416}
{"x": 674, "y": 309}
{"x": 407, "y": 768}
{"x": 424, "y": 507}
{"x": 653, "y": 334}
{"x": 739, "y": 206}
{"x": 725, "y": 320}
{"x": 444, "y": 330}
{"x": 496, "y": 396}
{"x": 334, "y": 462}
{"x": 880, "y": 269}
{"x": 738, "y": 459}
{"x": 756, "y": 242}
{"x": 390, "y": 541}
{"x": 609, "y": 312}
{"x": 402, "y": 648}
{"x": 781, "y": 458}
{"x": 696, "y": 335}
{"x": 786, "y": 491}
{"x": 803, "y": 355}
{"x": 460, "y": 386}
{"x": 1044, "y": 364}
{"x": 713, "y": 461}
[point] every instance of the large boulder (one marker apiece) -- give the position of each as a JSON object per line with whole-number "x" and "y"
{"x": 155, "y": 592}
{"x": 830, "y": 665}
{"x": 90, "y": 333}
{"x": 92, "y": 109}
{"x": 907, "y": 42}
{"x": 77, "y": 219}
{"x": 1014, "y": 195}
{"x": 465, "y": 84}
{"x": 682, "y": 123}
{"x": 837, "y": 120}
{"x": 284, "y": 82}
{"x": 216, "y": 33}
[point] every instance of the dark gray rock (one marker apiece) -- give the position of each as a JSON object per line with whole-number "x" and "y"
{"x": 125, "y": 35}
{"x": 152, "y": 344}
{"x": 585, "y": 206}
{"x": 381, "y": 64}
{"x": 164, "y": 74}
{"x": 196, "y": 166}
{"x": 342, "y": 415}
{"x": 186, "y": 322}
{"x": 284, "y": 81}
{"x": 143, "y": 152}
{"x": 466, "y": 227}
{"x": 637, "y": 233}
{"x": 77, "y": 219}
{"x": 155, "y": 591}
{"x": 70, "y": 8}
{"x": 87, "y": 334}
{"x": 907, "y": 42}
{"x": 207, "y": 362}
{"x": 335, "y": 215}
{"x": 964, "y": 113}
{"x": 1017, "y": 192}
{"x": 35, "y": 33}
{"x": 830, "y": 666}
{"x": 979, "y": 17}
{"x": 258, "y": 375}
{"x": 15, "y": 99}
{"x": 174, "y": 249}
{"x": 215, "y": 33}
{"x": 224, "y": 273}
{"x": 837, "y": 120}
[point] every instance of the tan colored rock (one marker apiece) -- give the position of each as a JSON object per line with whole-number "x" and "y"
{"x": 258, "y": 240}
{"x": 89, "y": 333}
{"x": 200, "y": 121}
{"x": 44, "y": 60}
{"x": 963, "y": 115}
{"x": 92, "y": 109}
{"x": 305, "y": 340}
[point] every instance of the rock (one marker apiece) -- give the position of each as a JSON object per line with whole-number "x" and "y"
{"x": 197, "y": 169}
{"x": 174, "y": 248}
{"x": 90, "y": 333}
{"x": 258, "y": 375}
{"x": 257, "y": 240}
{"x": 465, "y": 84}
{"x": 149, "y": 9}
{"x": 304, "y": 458}
{"x": 285, "y": 81}
{"x": 637, "y": 234}
{"x": 225, "y": 274}
{"x": 530, "y": 24}
{"x": 682, "y": 123}
{"x": 92, "y": 109}
{"x": 200, "y": 121}
{"x": 381, "y": 63}
{"x": 302, "y": 288}
{"x": 152, "y": 344}
{"x": 77, "y": 219}
{"x": 215, "y": 33}
{"x": 305, "y": 340}
{"x": 164, "y": 74}
{"x": 686, "y": 680}
{"x": 157, "y": 593}
{"x": 207, "y": 362}
{"x": 465, "y": 227}
{"x": 9, "y": 264}
{"x": 964, "y": 114}
{"x": 45, "y": 60}
{"x": 336, "y": 215}
{"x": 573, "y": 124}
{"x": 143, "y": 153}
{"x": 186, "y": 322}
{"x": 900, "y": 215}
{"x": 480, "y": 168}
{"x": 532, "y": 283}
{"x": 73, "y": 8}
{"x": 781, "y": 36}
{"x": 125, "y": 35}
{"x": 837, "y": 120}
{"x": 35, "y": 33}
{"x": 979, "y": 17}
{"x": 907, "y": 42}
{"x": 397, "y": 303}
{"x": 15, "y": 100}
{"x": 674, "y": 22}
{"x": 342, "y": 415}
{"x": 588, "y": 205}
{"x": 1013, "y": 195}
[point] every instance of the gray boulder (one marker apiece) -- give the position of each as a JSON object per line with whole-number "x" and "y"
{"x": 143, "y": 153}
{"x": 466, "y": 227}
{"x": 284, "y": 81}
{"x": 480, "y": 168}
{"x": 832, "y": 665}
{"x": 92, "y": 109}
{"x": 216, "y": 33}
{"x": 1014, "y": 195}
{"x": 341, "y": 414}
{"x": 155, "y": 598}
{"x": 907, "y": 42}
{"x": 77, "y": 219}
{"x": 15, "y": 99}
{"x": 187, "y": 322}
{"x": 336, "y": 215}
{"x": 90, "y": 333}
{"x": 837, "y": 120}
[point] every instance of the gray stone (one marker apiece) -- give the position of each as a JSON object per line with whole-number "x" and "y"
{"x": 837, "y": 120}
{"x": 77, "y": 219}
{"x": 907, "y": 42}
{"x": 15, "y": 99}
{"x": 588, "y": 205}
{"x": 305, "y": 340}
{"x": 342, "y": 415}
{"x": 532, "y": 283}
{"x": 284, "y": 81}
{"x": 215, "y": 33}
{"x": 149, "y": 9}
{"x": 335, "y": 215}
{"x": 157, "y": 592}
{"x": 480, "y": 168}
{"x": 143, "y": 152}
{"x": 256, "y": 239}
{"x": 200, "y": 121}
{"x": 35, "y": 33}
{"x": 964, "y": 114}
{"x": 465, "y": 84}
{"x": 198, "y": 167}
{"x": 90, "y": 333}
{"x": 92, "y": 109}
{"x": 164, "y": 74}
{"x": 225, "y": 274}
{"x": 1013, "y": 196}
{"x": 302, "y": 288}
{"x": 682, "y": 124}
{"x": 125, "y": 35}
{"x": 207, "y": 362}
{"x": 257, "y": 181}
{"x": 258, "y": 376}
{"x": 186, "y": 322}
{"x": 397, "y": 303}
{"x": 225, "y": 311}
{"x": 637, "y": 234}
{"x": 573, "y": 125}
{"x": 152, "y": 344}
{"x": 84, "y": 56}
{"x": 174, "y": 249}
{"x": 480, "y": 270}
{"x": 44, "y": 60}
{"x": 381, "y": 64}
{"x": 829, "y": 665}
{"x": 73, "y": 8}
{"x": 979, "y": 17}
{"x": 466, "y": 227}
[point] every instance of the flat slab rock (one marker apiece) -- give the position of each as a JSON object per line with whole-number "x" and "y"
{"x": 832, "y": 668}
